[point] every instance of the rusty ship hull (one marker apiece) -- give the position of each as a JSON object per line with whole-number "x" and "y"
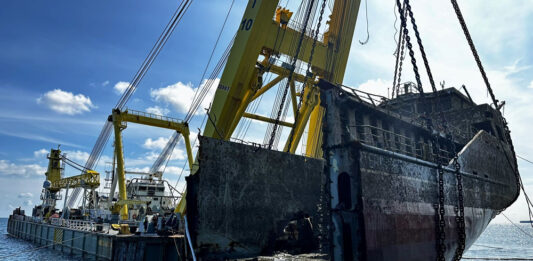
{"x": 375, "y": 193}
{"x": 384, "y": 184}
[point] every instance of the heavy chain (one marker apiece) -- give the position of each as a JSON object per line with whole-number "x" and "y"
{"x": 422, "y": 51}
{"x": 439, "y": 207}
{"x": 291, "y": 73}
{"x": 474, "y": 51}
{"x": 409, "y": 45}
{"x": 398, "y": 65}
{"x": 441, "y": 246}
{"x": 308, "y": 71}
{"x": 459, "y": 212}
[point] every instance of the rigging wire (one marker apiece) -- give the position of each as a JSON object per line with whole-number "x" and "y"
{"x": 409, "y": 45}
{"x": 367, "y": 32}
{"x": 291, "y": 72}
{"x": 524, "y": 159}
{"x": 517, "y": 226}
{"x": 214, "y": 47}
{"x": 105, "y": 133}
{"x": 199, "y": 95}
{"x": 474, "y": 51}
{"x": 308, "y": 72}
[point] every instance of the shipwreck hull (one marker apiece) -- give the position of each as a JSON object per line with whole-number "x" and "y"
{"x": 391, "y": 211}
{"x": 383, "y": 182}
{"x": 373, "y": 196}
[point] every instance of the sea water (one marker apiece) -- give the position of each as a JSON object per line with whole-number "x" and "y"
{"x": 498, "y": 242}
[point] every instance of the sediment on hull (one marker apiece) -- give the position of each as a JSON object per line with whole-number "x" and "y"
{"x": 383, "y": 166}
{"x": 246, "y": 200}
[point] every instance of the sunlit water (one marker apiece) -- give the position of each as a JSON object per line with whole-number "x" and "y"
{"x": 497, "y": 242}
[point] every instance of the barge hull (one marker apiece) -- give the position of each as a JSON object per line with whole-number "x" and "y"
{"x": 97, "y": 246}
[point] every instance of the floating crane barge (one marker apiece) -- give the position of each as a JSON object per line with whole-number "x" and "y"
{"x": 418, "y": 176}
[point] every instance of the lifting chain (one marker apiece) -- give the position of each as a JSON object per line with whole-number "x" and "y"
{"x": 308, "y": 71}
{"x": 474, "y": 51}
{"x": 399, "y": 63}
{"x": 422, "y": 51}
{"x": 439, "y": 207}
{"x": 459, "y": 211}
{"x": 291, "y": 73}
{"x": 441, "y": 246}
{"x": 409, "y": 45}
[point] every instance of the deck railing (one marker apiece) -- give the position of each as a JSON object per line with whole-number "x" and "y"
{"x": 399, "y": 143}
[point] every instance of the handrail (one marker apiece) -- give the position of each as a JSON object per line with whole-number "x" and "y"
{"x": 153, "y": 116}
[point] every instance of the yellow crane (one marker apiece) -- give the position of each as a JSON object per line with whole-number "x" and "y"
{"x": 54, "y": 182}
{"x": 254, "y": 52}
{"x": 119, "y": 119}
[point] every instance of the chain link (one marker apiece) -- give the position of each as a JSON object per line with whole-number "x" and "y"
{"x": 291, "y": 73}
{"x": 308, "y": 71}
{"x": 439, "y": 207}
{"x": 441, "y": 247}
{"x": 399, "y": 63}
{"x": 419, "y": 41}
{"x": 409, "y": 45}
{"x": 459, "y": 211}
{"x": 474, "y": 51}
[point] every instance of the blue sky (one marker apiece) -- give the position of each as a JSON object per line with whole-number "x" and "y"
{"x": 62, "y": 64}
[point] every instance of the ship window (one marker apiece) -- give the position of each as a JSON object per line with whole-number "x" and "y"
{"x": 142, "y": 188}
{"x": 344, "y": 190}
{"x": 156, "y": 199}
{"x": 161, "y": 189}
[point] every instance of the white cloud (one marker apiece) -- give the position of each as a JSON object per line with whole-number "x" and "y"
{"x": 158, "y": 143}
{"x": 28, "y": 203}
{"x": 181, "y": 95}
{"x": 104, "y": 84}
{"x": 157, "y": 110}
{"x": 66, "y": 102}
{"x": 120, "y": 87}
{"x": 77, "y": 156}
{"x": 10, "y": 169}
{"x": 142, "y": 170}
{"x": 376, "y": 86}
{"x": 531, "y": 85}
{"x": 25, "y": 195}
{"x": 174, "y": 171}
{"x": 39, "y": 154}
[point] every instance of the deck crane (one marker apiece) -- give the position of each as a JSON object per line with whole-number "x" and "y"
{"x": 264, "y": 35}
{"x": 88, "y": 179}
{"x": 119, "y": 119}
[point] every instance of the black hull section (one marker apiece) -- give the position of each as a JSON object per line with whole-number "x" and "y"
{"x": 394, "y": 218}
{"x": 383, "y": 183}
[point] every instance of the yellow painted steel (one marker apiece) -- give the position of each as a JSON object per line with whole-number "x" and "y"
{"x": 267, "y": 119}
{"x": 240, "y": 83}
{"x": 339, "y": 38}
{"x": 90, "y": 179}
{"x": 53, "y": 173}
{"x": 121, "y": 175}
{"x": 119, "y": 119}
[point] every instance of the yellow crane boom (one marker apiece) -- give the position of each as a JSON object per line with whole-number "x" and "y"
{"x": 241, "y": 80}
{"x": 119, "y": 119}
